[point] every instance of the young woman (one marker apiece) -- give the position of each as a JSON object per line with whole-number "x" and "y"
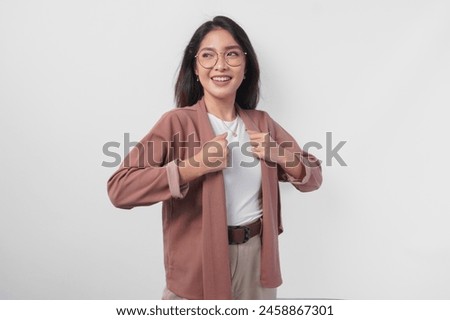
{"x": 215, "y": 163}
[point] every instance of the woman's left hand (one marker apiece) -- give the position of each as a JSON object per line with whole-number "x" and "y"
{"x": 264, "y": 147}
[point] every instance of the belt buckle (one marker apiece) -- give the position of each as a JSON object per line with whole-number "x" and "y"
{"x": 246, "y": 234}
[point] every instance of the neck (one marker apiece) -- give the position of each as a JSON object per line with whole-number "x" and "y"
{"x": 223, "y": 109}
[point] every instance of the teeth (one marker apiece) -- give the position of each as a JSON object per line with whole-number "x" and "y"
{"x": 221, "y": 78}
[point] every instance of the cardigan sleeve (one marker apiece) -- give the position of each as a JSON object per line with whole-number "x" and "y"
{"x": 312, "y": 179}
{"x": 148, "y": 174}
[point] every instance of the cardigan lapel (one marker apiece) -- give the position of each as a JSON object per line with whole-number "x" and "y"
{"x": 270, "y": 204}
{"x": 215, "y": 254}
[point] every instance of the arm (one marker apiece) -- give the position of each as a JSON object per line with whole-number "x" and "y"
{"x": 146, "y": 175}
{"x": 299, "y": 160}
{"x": 310, "y": 177}
{"x": 294, "y": 165}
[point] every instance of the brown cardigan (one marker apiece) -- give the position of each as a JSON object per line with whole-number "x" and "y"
{"x": 194, "y": 215}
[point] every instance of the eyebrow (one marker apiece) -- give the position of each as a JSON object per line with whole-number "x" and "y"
{"x": 226, "y": 48}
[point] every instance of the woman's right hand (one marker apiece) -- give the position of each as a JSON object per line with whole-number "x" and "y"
{"x": 211, "y": 158}
{"x": 213, "y": 155}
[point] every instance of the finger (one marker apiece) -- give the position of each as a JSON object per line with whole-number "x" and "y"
{"x": 252, "y": 132}
{"x": 255, "y": 152}
{"x": 223, "y": 143}
{"x": 256, "y": 135}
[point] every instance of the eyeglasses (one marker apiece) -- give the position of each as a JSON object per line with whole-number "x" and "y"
{"x": 208, "y": 58}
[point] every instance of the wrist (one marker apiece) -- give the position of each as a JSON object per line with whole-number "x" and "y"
{"x": 189, "y": 170}
{"x": 283, "y": 156}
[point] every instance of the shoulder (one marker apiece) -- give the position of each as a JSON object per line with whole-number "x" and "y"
{"x": 265, "y": 122}
{"x": 179, "y": 115}
{"x": 256, "y": 114}
{"x": 259, "y": 116}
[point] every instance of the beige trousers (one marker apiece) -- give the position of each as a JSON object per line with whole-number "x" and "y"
{"x": 245, "y": 273}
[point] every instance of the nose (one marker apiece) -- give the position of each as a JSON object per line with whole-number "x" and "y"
{"x": 221, "y": 63}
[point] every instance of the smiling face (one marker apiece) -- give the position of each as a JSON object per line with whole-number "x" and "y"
{"x": 222, "y": 80}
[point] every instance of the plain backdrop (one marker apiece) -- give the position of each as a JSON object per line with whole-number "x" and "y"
{"x": 75, "y": 75}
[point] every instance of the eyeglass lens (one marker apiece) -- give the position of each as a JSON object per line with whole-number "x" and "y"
{"x": 208, "y": 58}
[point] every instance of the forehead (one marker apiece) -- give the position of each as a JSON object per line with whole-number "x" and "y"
{"x": 218, "y": 39}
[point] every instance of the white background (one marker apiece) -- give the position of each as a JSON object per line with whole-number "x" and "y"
{"x": 75, "y": 75}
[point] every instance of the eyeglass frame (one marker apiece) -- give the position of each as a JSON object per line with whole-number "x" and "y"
{"x": 217, "y": 59}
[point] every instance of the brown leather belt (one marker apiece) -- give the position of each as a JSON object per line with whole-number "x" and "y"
{"x": 241, "y": 234}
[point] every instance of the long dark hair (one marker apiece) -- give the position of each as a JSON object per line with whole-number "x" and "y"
{"x": 188, "y": 90}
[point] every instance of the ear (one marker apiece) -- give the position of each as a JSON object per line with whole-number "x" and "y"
{"x": 196, "y": 74}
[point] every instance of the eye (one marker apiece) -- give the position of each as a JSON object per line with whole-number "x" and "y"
{"x": 233, "y": 53}
{"x": 207, "y": 55}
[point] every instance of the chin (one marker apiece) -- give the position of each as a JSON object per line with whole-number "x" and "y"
{"x": 221, "y": 94}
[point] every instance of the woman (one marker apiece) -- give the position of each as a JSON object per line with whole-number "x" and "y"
{"x": 215, "y": 163}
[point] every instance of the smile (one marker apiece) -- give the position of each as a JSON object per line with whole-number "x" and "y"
{"x": 221, "y": 79}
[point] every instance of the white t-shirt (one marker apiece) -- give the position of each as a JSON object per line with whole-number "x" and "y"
{"x": 242, "y": 176}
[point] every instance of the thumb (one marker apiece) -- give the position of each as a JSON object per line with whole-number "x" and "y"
{"x": 251, "y": 131}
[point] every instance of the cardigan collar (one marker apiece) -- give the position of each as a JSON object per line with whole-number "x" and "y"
{"x": 208, "y": 132}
